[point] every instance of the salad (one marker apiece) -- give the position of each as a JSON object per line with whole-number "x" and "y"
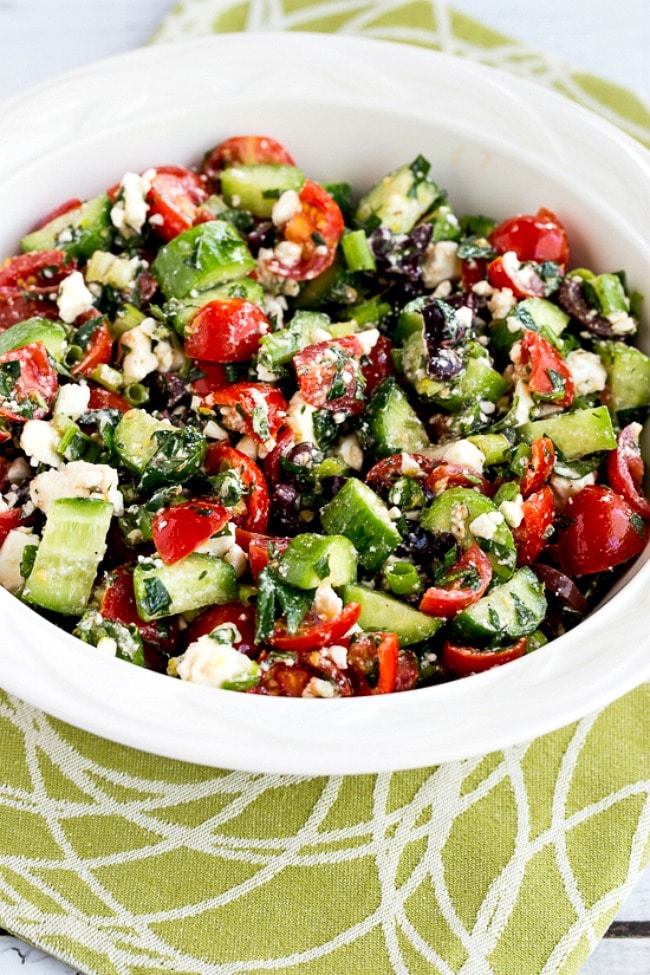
{"x": 263, "y": 435}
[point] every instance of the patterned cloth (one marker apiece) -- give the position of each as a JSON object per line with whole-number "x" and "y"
{"x": 122, "y": 863}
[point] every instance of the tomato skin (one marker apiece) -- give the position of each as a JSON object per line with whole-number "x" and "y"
{"x": 444, "y": 475}
{"x": 472, "y": 271}
{"x": 246, "y": 398}
{"x": 464, "y": 661}
{"x": 318, "y": 366}
{"x": 98, "y": 351}
{"x": 625, "y": 469}
{"x": 378, "y": 649}
{"x": 316, "y": 229}
{"x": 597, "y": 512}
{"x": 523, "y": 285}
{"x": 261, "y": 549}
{"x": 37, "y": 380}
{"x": 226, "y": 331}
{"x": 215, "y": 378}
{"x": 533, "y": 238}
{"x": 221, "y": 456}
{"x": 106, "y": 399}
{"x": 384, "y": 473}
{"x": 8, "y": 521}
{"x": 446, "y": 601}
{"x": 181, "y": 529}
{"x": 539, "y": 467}
{"x": 243, "y": 617}
{"x": 118, "y": 603}
{"x": 378, "y": 364}
{"x": 315, "y": 631}
{"x": 37, "y": 270}
{"x": 543, "y": 360}
{"x": 245, "y": 150}
{"x": 174, "y": 200}
{"x": 531, "y": 535}
{"x": 387, "y": 658}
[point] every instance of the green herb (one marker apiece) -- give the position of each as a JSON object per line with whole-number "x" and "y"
{"x": 276, "y": 598}
{"x": 157, "y": 600}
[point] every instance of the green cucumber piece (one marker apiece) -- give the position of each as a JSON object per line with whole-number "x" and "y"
{"x": 134, "y": 440}
{"x": 391, "y": 425}
{"x": 277, "y": 349}
{"x": 201, "y": 258}
{"x": 382, "y": 612}
{"x": 400, "y": 199}
{"x": 455, "y": 509}
{"x": 51, "y": 334}
{"x": 628, "y": 380}
{"x": 360, "y": 514}
{"x": 576, "y": 434}
{"x": 507, "y": 613}
{"x": 258, "y": 187}
{"x": 180, "y": 312}
{"x": 535, "y": 314}
{"x": 78, "y": 232}
{"x": 314, "y": 560}
{"x": 196, "y": 581}
{"x": 67, "y": 559}
{"x": 495, "y": 447}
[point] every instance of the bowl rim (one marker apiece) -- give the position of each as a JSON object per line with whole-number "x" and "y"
{"x": 524, "y": 700}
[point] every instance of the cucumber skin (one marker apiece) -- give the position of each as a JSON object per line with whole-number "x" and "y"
{"x": 91, "y": 227}
{"x": 359, "y": 514}
{"x": 196, "y": 581}
{"x": 73, "y": 545}
{"x": 297, "y": 564}
{"x": 473, "y": 625}
{"x": 52, "y": 335}
{"x": 392, "y": 426}
{"x": 576, "y": 434}
{"x": 379, "y": 611}
{"x": 201, "y": 258}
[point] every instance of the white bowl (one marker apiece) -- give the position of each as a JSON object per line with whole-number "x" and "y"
{"x": 347, "y": 108}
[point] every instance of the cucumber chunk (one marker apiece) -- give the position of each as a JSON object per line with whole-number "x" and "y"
{"x": 78, "y": 232}
{"x": 67, "y": 559}
{"x": 535, "y": 314}
{"x": 391, "y": 425}
{"x": 508, "y": 612}
{"x": 576, "y": 434}
{"x": 360, "y": 514}
{"x": 258, "y": 187}
{"x": 51, "y": 334}
{"x": 456, "y": 509}
{"x": 277, "y": 349}
{"x": 382, "y": 612}
{"x": 200, "y": 258}
{"x": 628, "y": 379}
{"x": 134, "y": 439}
{"x": 196, "y": 581}
{"x": 400, "y": 199}
{"x": 315, "y": 560}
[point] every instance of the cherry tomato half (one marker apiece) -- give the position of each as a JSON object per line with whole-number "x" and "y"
{"x": 226, "y": 331}
{"x": 8, "y": 521}
{"x": 214, "y": 377}
{"x": 97, "y": 352}
{"x": 253, "y": 511}
{"x": 522, "y": 279}
{"x": 261, "y": 550}
{"x": 106, "y": 399}
{"x": 625, "y": 469}
{"x": 549, "y": 379}
{"x": 466, "y": 582}
{"x": 464, "y": 661}
{"x": 316, "y": 631}
{"x": 261, "y": 407}
{"x": 33, "y": 388}
{"x": 533, "y": 238}
{"x": 531, "y": 535}
{"x": 174, "y": 199}
{"x": 540, "y": 466}
{"x": 245, "y": 150}
{"x": 243, "y": 617}
{"x": 330, "y": 376}
{"x": 118, "y": 603}
{"x": 384, "y": 473}
{"x": 444, "y": 475}
{"x": 37, "y": 270}
{"x": 315, "y": 230}
{"x": 378, "y": 364}
{"x": 181, "y": 529}
{"x": 604, "y": 531}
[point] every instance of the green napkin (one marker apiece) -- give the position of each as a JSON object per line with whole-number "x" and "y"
{"x": 121, "y": 863}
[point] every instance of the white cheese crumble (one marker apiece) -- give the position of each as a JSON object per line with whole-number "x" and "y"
{"x": 11, "y": 553}
{"x": 565, "y": 487}
{"x": 78, "y": 479}
{"x": 486, "y": 525}
{"x": 317, "y": 687}
{"x": 513, "y": 511}
{"x": 463, "y": 453}
{"x": 349, "y": 450}
{"x": 72, "y": 401}
{"x": 367, "y": 339}
{"x": 129, "y": 213}
{"x": 622, "y": 323}
{"x": 524, "y": 403}
{"x": 40, "y": 441}
{"x": 588, "y": 372}
{"x": 225, "y": 547}
{"x": 213, "y": 664}
{"x": 326, "y": 602}
{"x": 501, "y": 303}
{"x": 139, "y": 359}
{"x": 440, "y": 263}
{"x": 286, "y": 207}
{"x": 300, "y": 417}
{"x": 73, "y": 297}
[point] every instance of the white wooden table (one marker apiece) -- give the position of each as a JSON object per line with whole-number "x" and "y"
{"x": 41, "y": 38}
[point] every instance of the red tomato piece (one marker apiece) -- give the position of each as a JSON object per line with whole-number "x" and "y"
{"x": 387, "y": 659}
{"x": 472, "y": 271}
{"x": 261, "y": 550}
{"x": 243, "y": 617}
{"x": 625, "y": 469}
{"x": 253, "y": 514}
{"x": 531, "y": 536}
{"x": 384, "y": 473}
{"x": 533, "y": 238}
{"x": 118, "y": 603}
{"x": 330, "y": 376}
{"x": 378, "y": 364}
{"x": 245, "y": 150}
{"x": 549, "y": 379}
{"x": 36, "y": 270}
{"x": 445, "y": 475}
{"x": 604, "y": 531}
{"x": 316, "y": 230}
{"x": 261, "y": 407}
{"x": 35, "y": 386}
{"x": 464, "y": 585}
{"x": 106, "y": 399}
{"x": 539, "y": 467}
{"x": 8, "y": 521}
{"x": 181, "y": 529}
{"x": 316, "y": 631}
{"x": 98, "y": 351}
{"x": 174, "y": 199}
{"x": 506, "y": 271}
{"x": 378, "y": 653}
{"x": 226, "y": 331}
{"x": 16, "y": 306}
{"x": 464, "y": 661}
{"x": 214, "y": 378}
{"x": 272, "y": 463}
